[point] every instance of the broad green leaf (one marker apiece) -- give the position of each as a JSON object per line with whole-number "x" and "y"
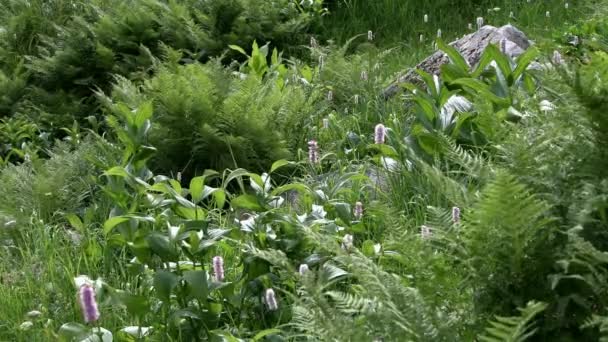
{"x": 501, "y": 60}
{"x": 161, "y": 246}
{"x": 429, "y": 143}
{"x": 344, "y": 212}
{"x": 368, "y": 248}
{"x": 238, "y": 173}
{"x": 225, "y": 336}
{"x": 265, "y": 333}
{"x": 184, "y": 202}
{"x": 143, "y": 113}
{"x": 75, "y": 222}
{"x": 451, "y": 72}
{"x": 197, "y": 282}
{"x": 164, "y": 283}
{"x": 455, "y": 56}
{"x": 384, "y": 149}
{"x": 239, "y": 49}
{"x": 275, "y": 57}
{"x": 299, "y": 187}
{"x": 482, "y": 89}
{"x": 113, "y": 222}
{"x": 220, "y": 198}
{"x": 117, "y": 171}
{"x": 135, "y": 304}
{"x": 428, "y": 79}
{"x": 197, "y": 213}
{"x": 278, "y": 164}
{"x": 523, "y": 61}
{"x": 73, "y": 332}
{"x": 247, "y": 202}
{"x": 197, "y": 184}
{"x": 176, "y": 186}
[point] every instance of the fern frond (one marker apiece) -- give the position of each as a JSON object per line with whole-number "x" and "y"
{"x": 599, "y": 322}
{"x": 514, "y": 329}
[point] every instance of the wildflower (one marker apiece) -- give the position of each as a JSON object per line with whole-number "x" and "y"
{"x": 34, "y": 314}
{"x": 566, "y": 5}
{"x": 547, "y": 14}
{"x": 347, "y": 242}
{"x": 421, "y": 38}
{"x": 546, "y": 106}
{"x": 364, "y": 75}
{"x": 376, "y": 66}
{"x": 439, "y": 33}
{"x": 557, "y": 58}
{"x": 313, "y": 151}
{"x": 511, "y": 15}
{"x": 377, "y": 248}
{"x": 313, "y": 43}
{"x": 379, "y": 134}
{"x": 26, "y": 325}
{"x": 426, "y": 18}
{"x": 330, "y": 95}
{"x": 321, "y": 62}
{"x": 356, "y": 99}
{"x": 370, "y": 35}
{"x": 455, "y": 215}
{"x": 470, "y": 26}
{"x": 179, "y": 177}
{"x": 173, "y": 231}
{"x": 88, "y": 303}
{"x": 325, "y": 123}
{"x": 218, "y": 268}
{"x": 358, "y": 212}
{"x": 303, "y": 269}
{"x": 425, "y": 232}
{"x": 479, "y": 22}
{"x": 271, "y": 300}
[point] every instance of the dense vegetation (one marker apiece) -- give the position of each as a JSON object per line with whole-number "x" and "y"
{"x": 228, "y": 170}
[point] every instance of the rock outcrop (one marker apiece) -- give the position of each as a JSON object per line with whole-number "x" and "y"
{"x": 512, "y": 41}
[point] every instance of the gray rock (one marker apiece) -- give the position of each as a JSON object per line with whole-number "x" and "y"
{"x": 512, "y": 41}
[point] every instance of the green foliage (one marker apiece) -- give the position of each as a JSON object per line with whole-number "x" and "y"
{"x": 462, "y": 213}
{"x": 63, "y": 183}
{"x": 206, "y": 118}
{"x": 507, "y": 237}
{"x": 68, "y": 59}
{"x": 515, "y": 329}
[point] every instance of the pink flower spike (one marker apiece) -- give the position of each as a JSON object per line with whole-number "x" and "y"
{"x": 313, "y": 151}
{"x": 218, "y": 268}
{"x": 358, "y": 212}
{"x": 379, "y": 134}
{"x": 455, "y": 215}
{"x": 88, "y": 303}
{"x": 271, "y": 300}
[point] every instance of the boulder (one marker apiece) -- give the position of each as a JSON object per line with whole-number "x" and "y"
{"x": 511, "y": 41}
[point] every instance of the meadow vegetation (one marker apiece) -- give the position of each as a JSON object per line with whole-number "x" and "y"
{"x": 229, "y": 170}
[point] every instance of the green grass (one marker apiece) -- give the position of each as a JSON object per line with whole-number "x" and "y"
{"x": 397, "y": 22}
{"x": 439, "y": 290}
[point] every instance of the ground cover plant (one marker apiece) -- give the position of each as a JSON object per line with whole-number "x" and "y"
{"x": 229, "y": 170}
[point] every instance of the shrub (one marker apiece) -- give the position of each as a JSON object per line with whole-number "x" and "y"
{"x": 206, "y": 118}
{"x": 63, "y": 183}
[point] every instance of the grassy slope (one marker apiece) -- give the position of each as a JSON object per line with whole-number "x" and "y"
{"x": 39, "y": 277}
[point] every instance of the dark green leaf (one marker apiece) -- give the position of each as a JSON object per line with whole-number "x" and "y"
{"x": 164, "y": 283}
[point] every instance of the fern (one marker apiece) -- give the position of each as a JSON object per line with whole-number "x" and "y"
{"x": 514, "y": 329}
{"x": 377, "y": 305}
{"x": 599, "y": 322}
{"x": 508, "y": 243}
